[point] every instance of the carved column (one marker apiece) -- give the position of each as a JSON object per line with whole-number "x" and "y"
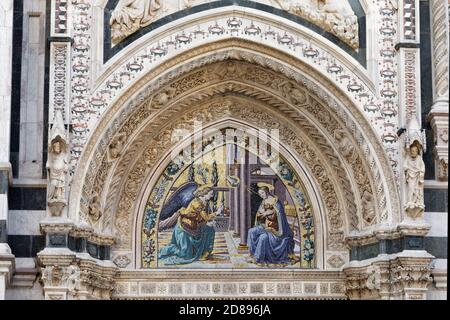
{"x": 438, "y": 116}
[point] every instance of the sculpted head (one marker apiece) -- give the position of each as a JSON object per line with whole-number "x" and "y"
{"x": 57, "y": 147}
{"x": 414, "y": 150}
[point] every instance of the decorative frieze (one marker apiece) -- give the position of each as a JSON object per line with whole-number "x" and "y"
{"x": 226, "y": 285}
{"x": 59, "y": 79}
{"x": 80, "y": 80}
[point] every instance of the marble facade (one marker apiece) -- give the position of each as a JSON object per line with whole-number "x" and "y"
{"x": 87, "y": 128}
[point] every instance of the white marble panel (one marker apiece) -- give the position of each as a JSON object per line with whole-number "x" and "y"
{"x": 34, "y": 293}
{"x": 25, "y": 222}
{"x": 440, "y": 264}
{"x": 3, "y": 206}
{"x": 438, "y": 222}
{"x": 6, "y": 19}
{"x": 32, "y": 90}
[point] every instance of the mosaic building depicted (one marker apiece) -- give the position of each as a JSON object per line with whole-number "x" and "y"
{"x": 193, "y": 149}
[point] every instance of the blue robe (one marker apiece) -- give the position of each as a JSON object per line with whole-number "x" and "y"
{"x": 187, "y": 246}
{"x": 272, "y": 246}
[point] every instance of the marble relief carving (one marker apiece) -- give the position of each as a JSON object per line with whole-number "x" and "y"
{"x": 132, "y": 15}
{"x": 164, "y": 97}
{"x": 334, "y": 16}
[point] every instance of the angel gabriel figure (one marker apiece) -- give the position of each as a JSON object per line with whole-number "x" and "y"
{"x": 192, "y": 237}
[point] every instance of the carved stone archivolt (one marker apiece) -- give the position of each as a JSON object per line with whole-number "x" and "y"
{"x": 150, "y": 58}
{"x": 347, "y": 118}
{"x": 364, "y": 186}
{"x": 154, "y": 149}
{"x": 344, "y": 146}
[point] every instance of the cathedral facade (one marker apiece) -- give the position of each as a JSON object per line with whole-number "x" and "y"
{"x": 192, "y": 149}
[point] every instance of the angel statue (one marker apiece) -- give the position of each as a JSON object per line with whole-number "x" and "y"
{"x": 193, "y": 235}
{"x": 271, "y": 241}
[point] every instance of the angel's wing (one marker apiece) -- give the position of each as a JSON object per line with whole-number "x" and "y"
{"x": 179, "y": 199}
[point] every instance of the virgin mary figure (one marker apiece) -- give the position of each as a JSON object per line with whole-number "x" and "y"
{"x": 192, "y": 237}
{"x": 271, "y": 240}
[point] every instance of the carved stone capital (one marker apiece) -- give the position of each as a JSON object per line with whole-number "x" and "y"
{"x": 413, "y": 271}
{"x": 97, "y": 279}
{"x": 419, "y": 229}
{"x": 402, "y": 276}
{"x": 65, "y": 275}
{"x": 102, "y": 239}
{"x": 54, "y": 225}
{"x": 365, "y": 282}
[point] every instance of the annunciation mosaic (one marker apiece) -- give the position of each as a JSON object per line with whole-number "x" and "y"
{"x": 234, "y": 205}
